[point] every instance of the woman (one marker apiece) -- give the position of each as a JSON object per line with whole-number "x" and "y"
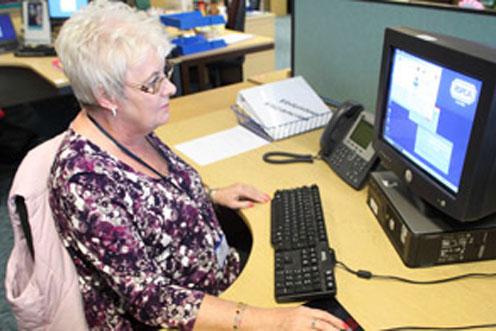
{"x": 135, "y": 218}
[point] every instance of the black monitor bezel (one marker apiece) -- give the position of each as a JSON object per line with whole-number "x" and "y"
{"x": 452, "y": 53}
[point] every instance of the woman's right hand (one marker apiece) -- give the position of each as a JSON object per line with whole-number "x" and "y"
{"x": 220, "y": 314}
{"x": 304, "y": 318}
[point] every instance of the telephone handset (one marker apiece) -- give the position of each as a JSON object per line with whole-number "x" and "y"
{"x": 346, "y": 144}
{"x": 339, "y": 125}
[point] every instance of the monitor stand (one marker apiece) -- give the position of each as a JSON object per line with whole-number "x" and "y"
{"x": 424, "y": 238}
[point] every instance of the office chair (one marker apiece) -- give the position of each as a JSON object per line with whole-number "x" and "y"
{"x": 15, "y": 139}
{"x": 237, "y": 233}
{"x": 41, "y": 282}
{"x": 236, "y": 14}
{"x": 230, "y": 70}
{"x": 255, "y": 4}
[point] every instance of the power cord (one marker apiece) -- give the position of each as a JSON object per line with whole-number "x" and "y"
{"x": 467, "y": 327}
{"x": 365, "y": 274}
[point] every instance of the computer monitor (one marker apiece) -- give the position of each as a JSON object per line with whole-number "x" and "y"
{"x": 61, "y": 10}
{"x": 8, "y": 38}
{"x": 435, "y": 123}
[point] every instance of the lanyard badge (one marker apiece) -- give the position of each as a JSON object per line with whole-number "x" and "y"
{"x": 221, "y": 251}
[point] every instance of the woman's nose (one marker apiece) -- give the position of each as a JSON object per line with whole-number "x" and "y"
{"x": 168, "y": 88}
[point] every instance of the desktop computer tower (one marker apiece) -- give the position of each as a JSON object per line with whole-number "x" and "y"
{"x": 421, "y": 240}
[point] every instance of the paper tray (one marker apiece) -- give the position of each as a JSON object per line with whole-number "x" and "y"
{"x": 190, "y": 20}
{"x": 282, "y": 131}
{"x": 245, "y": 120}
{"x": 195, "y": 44}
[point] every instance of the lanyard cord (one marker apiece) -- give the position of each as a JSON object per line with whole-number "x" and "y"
{"x": 135, "y": 157}
{"x": 126, "y": 151}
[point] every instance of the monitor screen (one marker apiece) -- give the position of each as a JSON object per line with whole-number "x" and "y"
{"x": 63, "y": 9}
{"x": 430, "y": 114}
{"x": 7, "y": 32}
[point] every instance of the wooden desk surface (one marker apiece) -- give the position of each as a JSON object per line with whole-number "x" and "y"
{"x": 43, "y": 66}
{"x": 353, "y": 231}
{"x": 270, "y": 76}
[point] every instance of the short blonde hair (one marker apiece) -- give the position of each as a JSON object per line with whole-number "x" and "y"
{"x": 98, "y": 44}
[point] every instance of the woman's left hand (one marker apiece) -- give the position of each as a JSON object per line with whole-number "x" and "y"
{"x": 238, "y": 196}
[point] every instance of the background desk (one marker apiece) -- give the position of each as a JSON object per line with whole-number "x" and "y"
{"x": 260, "y": 24}
{"x": 352, "y": 230}
{"x": 26, "y": 79}
{"x": 200, "y": 60}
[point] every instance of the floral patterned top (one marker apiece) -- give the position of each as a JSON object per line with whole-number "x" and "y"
{"x": 144, "y": 248}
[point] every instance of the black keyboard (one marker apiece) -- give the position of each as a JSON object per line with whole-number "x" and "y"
{"x": 38, "y": 50}
{"x": 304, "y": 264}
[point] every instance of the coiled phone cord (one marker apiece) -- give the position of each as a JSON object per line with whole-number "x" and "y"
{"x": 286, "y": 157}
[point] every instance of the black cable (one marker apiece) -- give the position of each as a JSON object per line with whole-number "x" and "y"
{"x": 369, "y": 275}
{"x": 467, "y": 327}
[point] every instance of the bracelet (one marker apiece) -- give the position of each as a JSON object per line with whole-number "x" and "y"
{"x": 210, "y": 192}
{"x": 238, "y": 314}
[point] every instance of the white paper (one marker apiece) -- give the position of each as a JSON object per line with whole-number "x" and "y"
{"x": 221, "y": 145}
{"x": 233, "y": 38}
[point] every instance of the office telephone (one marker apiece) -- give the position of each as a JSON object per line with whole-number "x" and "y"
{"x": 346, "y": 144}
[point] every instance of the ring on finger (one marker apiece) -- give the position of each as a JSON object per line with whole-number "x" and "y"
{"x": 313, "y": 325}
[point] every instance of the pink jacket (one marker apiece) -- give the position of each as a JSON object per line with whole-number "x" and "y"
{"x": 44, "y": 292}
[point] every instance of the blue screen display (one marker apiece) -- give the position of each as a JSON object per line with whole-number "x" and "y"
{"x": 7, "y": 31}
{"x": 429, "y": 117}
{"x": 64, "y": 8}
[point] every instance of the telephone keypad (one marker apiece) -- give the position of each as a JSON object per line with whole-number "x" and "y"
{"x": 348, "y": 164}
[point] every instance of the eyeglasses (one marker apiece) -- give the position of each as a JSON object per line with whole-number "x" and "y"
{"x": 156, "y": 83}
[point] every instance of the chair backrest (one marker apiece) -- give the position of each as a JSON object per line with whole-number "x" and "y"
{"x": 41, "y": 281}
{"x": 236, "y": 14}
{"x": 22, "y": 213}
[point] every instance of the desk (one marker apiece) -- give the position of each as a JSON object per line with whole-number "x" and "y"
{"x": 278, "y": 7}
{"x": 260, "y": 24}
{"x": 270, "y": 76}
{"x": 200, "y": 60}
{"x": 353, "y": 231}
{"x": 26, "y": 79}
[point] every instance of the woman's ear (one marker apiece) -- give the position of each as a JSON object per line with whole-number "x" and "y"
{"x": 104, "y": 100}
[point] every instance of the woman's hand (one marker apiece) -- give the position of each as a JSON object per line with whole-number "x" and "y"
{"x": 304, "y": 318}
{"x": 238, "y": 196}
{"x": 220, "y": 314}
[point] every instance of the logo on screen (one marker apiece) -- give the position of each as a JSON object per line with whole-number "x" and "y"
{"x": 463, "y": 92}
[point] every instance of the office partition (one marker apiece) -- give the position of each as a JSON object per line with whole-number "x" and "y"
{"x": 337, "y": 44}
